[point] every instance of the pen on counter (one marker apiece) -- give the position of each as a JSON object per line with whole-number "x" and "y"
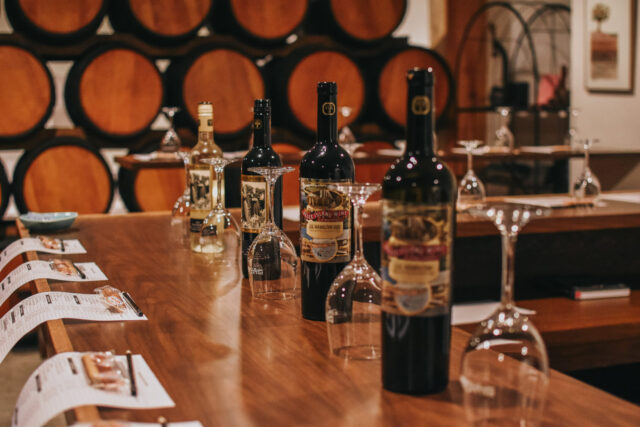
{"x": 132, "y": 374}
{"x": 62, "y": 245}
{"x": 132, "y": 304}
{"x": 163, "y": 421}
{"x": 82, "y": 275}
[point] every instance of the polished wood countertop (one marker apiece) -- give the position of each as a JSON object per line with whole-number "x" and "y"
{"x": 227, "y": 359}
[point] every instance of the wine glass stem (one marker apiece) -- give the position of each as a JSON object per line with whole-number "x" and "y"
{"x": 357, "y": 225}
{"x": 586, "y": 159}
{"x": 269, "y": 202}
{"x": 219, "y": 174}
{"x": 469, "y": 161}
{"x": 187, "y": 189}
{"x": 508, "y": 266}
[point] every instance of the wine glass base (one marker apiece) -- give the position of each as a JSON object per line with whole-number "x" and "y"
{"x": 359, "y": 352}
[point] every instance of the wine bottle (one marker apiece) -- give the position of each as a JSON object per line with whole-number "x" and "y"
{"x": 418, "y": 222}
{"x": 253, "y": 186}
{"x": 325, "y": 217}
{"x": 201, "y": 179}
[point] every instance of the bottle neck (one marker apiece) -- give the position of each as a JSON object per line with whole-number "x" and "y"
{"x": 420, "y": 121}
{"x": 205, "y": 130}
{"x": 261, "y": 131}
{"x": 327, "y": 119}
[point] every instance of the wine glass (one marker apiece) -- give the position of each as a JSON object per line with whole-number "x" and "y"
{"x": 352, "y": 309}
{"x": 471, "y": 189}
{"x": 220, "y": 234}
{"x": 346, "y": 138}
{"x": 572, "y": 129}
{"x": 170, "y": 141}
{"x": 182, "y": 206}
{"x": 587, "y": 187}
{"x": 504, "y": 136}
{"x": 272, "y": 261}
{"x": 505, "y": 369}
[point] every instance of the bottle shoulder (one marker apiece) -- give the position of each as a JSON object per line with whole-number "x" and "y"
{"x": 327, "y": 161}
{"x": 260, "y": 156}
{"x": 426, "y": 179}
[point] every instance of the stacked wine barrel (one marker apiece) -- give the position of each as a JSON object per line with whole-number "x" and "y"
{"x": 229, "y": 52}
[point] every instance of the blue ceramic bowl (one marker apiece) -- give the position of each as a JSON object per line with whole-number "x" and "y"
{"x": 48, "y": 221}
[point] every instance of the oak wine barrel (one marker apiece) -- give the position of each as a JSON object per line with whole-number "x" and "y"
{"x": 63, "y": 174}
{"x": 265, "y": 22}
{"x": 303, "y": 70}
{"x": 160, "y": 21}
{"x": 223, "y": 75}
{"x": 115, "y": 91}
{"x": 56, "y": 21}
{"x": 27, "y": 91}
{"x": 5, "y": 190}
{"x": 392, "y": 82}
{"x": 357, "y": 21}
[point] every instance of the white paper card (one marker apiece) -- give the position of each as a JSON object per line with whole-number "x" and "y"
{"x": 45, "y": 306}
{"x": 462, "y": 314}
{"x": 131, "y": 424}
{"x": 40, "y": 244}
{"x": 57, "y": 269}
{"x": 61, "y": 383}
{"x": 622, "y": 197}
{"x": 545, "y": 202}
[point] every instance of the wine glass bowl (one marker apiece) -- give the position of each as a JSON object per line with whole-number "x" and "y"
{"x": 505, "y": 368}
{"x": 504, "y": 136}
{"x": 471, "y": 190}
{"x": 220, "y": 233}
{"x": 587, "y": 186}
{"x": 353, "y": 302}
{"x": 272, "y": 262}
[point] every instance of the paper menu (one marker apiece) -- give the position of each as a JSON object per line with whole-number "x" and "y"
{"x": 40, "y": 244}
{"x": 131, "y": 424}
{"x": 56, "y": 269}
{"x": 45, "y": 306}
{"x": 61, "y": 383}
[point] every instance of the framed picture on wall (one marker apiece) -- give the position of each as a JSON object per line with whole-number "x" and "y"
{"x": 610, "y": 45}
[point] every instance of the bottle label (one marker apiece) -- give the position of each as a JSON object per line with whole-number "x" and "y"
{"x": 200, "y": 185}
{"x": 254, "y": 203}
{"x": 416, "y": 259}
{"x": 325, "y": 223}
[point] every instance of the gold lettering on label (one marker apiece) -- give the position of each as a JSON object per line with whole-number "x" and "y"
{"x": 257, "y": 124}
{"x": 421, "y": 105}
{"x": 329, "y": 109}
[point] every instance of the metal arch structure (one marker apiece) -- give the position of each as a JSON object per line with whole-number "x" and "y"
{"x": 467, "y": 30}
{"x": 548, "y": 7}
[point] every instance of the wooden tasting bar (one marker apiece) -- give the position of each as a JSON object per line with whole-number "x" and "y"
{"x": 228, "y": 359}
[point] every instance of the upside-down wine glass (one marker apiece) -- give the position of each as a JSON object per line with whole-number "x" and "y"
{"x": 504, "y": 136}
{"x": 505, "y": 369}
{"x": 272, "y": 262}
{"x": 170, "y": 141}
{"x": 346, "y": 138}
{"x": 471, "y": 189}
{"x": 587, "y": 187}
{"x": 352, "y": 309}
{"x": 220, "y": 234}
{"x": 182, "y": 206}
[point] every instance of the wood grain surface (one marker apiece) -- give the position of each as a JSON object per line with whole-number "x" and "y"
{"x": 121, "y": 91}
{"x": 269, "y": 19}
{"x": 227, "y": 359}
{"x": 323, "y": 66}
{"x": 230, "y": 81}
{"x": 392, "y": 84}
{"x": 158, "y": 189}
{"x": 61, "y": 17}
{"x": 368, "y": 20}
{"x": 67, "y": 178}
{"x": 25, "y": 88}
{"x": 170, "y": 17}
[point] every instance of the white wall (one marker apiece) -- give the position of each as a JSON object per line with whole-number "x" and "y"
{"x": 613, "y": 118}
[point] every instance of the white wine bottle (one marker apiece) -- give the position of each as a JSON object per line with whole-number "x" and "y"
{"x": 201, "y": 180}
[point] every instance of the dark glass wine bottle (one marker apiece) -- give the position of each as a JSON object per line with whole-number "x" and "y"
{"x": 418, "y": 223}
{"x": 325, "y": 219}
{"x": 253, "y": 186}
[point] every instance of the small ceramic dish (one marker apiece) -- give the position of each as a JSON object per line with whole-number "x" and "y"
{"x": 48, "y": 221}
